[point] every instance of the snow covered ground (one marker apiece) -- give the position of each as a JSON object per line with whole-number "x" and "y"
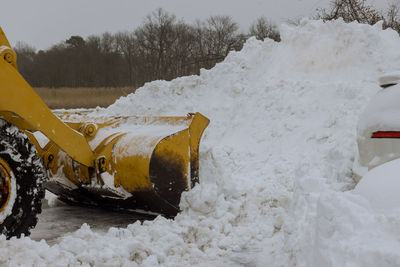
{"x": 276, "y": 163}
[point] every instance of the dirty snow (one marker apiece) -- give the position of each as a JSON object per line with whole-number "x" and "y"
{"x": 275, "y": 162}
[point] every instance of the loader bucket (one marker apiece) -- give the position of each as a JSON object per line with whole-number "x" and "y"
{"x": 144, "y": 163}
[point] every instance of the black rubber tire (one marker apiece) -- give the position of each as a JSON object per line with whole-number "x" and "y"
{"x": 21, "y": 156}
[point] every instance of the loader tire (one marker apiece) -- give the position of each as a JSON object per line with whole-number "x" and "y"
{"x": 21, "y": 182}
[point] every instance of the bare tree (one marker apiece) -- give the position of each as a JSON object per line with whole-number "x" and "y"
{"x": 25, "y": 49}
{"x": 392, "y": 19}
{"x": 221, "y": 35}
{"x": 262, "y": 28}
{"x": 127, "y": 46}
{"x": 351, "y": 10}
{"x": 107, "y": 42}
{"x": 156, "y": 37}
{"x": 26, "y": 56}
{"x": 182, "y": 51}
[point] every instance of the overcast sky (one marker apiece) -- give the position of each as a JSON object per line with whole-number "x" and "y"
{"x": 42, "y": 23}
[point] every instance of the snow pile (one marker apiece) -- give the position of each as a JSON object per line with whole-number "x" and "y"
{"x": 275, "y": 162}
{"x": 382, "y": 113}
{"x": 381, "y": 187}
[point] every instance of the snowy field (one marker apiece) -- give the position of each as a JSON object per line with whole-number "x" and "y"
{"x": 275, "y": 165}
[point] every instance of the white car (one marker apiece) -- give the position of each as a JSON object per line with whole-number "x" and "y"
{"x": 378, "y": 131}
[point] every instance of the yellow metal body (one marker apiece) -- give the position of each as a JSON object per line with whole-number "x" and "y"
{"x": 146, "y": 162}
{"x": 20, "y": 99}
{"x": 145, "y": 157}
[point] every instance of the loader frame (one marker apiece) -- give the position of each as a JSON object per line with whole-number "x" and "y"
{"x": 22, "y": 107}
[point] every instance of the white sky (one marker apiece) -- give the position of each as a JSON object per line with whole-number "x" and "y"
{"x": 42, "y": 23}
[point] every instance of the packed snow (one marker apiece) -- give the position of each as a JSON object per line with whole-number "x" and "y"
{"x": 275, "y": 162}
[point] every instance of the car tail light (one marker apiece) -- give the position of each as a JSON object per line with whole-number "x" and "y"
{"x": 386, "y": 134}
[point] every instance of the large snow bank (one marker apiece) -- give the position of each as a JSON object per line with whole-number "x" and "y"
{"x": 275, "y": 161}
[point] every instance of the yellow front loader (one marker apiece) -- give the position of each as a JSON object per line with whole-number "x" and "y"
{"x": 141, "y": 164}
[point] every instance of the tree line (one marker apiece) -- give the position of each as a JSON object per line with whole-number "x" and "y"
{"x": 163, "y": 47}
{"x": 362, "y": 12}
